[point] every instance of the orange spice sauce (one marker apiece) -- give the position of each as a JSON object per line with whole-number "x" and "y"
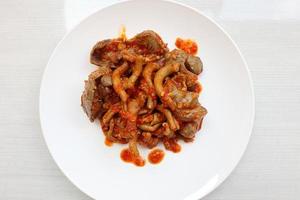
{"x": 187, "y": 45}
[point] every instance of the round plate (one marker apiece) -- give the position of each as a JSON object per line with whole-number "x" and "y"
{"x": 78, "y": 146}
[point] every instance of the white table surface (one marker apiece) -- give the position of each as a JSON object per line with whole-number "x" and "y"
{"x": 268, "y": 34}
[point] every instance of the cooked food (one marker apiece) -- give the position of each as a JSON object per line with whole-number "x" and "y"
{"x": 187, "y": 45}
{"x": 144, "y": 94}
{"x": 156, "y": 156}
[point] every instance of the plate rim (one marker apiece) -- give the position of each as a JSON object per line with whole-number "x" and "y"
{"x": 193, "y": 195}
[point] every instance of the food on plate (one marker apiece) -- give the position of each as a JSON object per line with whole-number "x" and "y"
{"x": 156, "y": 156}
{"x": 187, "y": 45}
{"x": 143, "y": 94}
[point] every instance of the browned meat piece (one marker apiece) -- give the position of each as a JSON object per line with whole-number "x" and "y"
{"x": 188, "y": 63}
{"x": 107, "y": 52}
{"x": 194, "y": 64}
{"x": 178, "y": 56}
{"x": 91, "y": 99}
{"x": 186, "y": 104}
{"x": 184, "y": 99}
{"x": 148, "y": 42}
{"x": 110, "y": 52}
{"x": 176, "y": 89}
{"x": 188, "y": 130}
{"x": 190, "y": 114}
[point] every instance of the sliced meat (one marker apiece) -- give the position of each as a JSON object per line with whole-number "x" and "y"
{"x": 91, "y": 99}
{"x": 176, "y": 89}
{"x": 188, "y": 63}
{"x": 107, "y": 52}
{"x": 148, "y": 42}
{"x": 190, "y": 114}
{"x": 186, "y": 104}
{"x": 188, "y": 130}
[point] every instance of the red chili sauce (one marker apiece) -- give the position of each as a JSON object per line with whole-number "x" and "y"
{"x": 108, "y": 142}
{"x": 156, "y": 156}
{"x": 127, "y": 156}
{"x": 188, "y": 45}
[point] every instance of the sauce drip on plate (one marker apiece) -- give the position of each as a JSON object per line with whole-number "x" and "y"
{"x": 156, "y": 156}
{"x": 108, "y": 142}
{"x": 127, "y": 156}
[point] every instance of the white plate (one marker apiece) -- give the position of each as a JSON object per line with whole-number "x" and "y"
{"x": 77, "y": 145}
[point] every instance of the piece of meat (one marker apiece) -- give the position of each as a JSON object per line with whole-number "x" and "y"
{"x": 194, "y": 64}
{"x": 176, "y": 90}
{"x": 184, "y": 99}
{"x": 185, "y": 103}
{"x": 91, "y": 99}
{"x": 188, "y": 63}
{"x": 188, "y": 130}
{"x": 148, "y": 42}
{"x": 190, "y": 114}
{"x": 178, "y": 56}
{"x": 107, "y": 52}
{"x": 110, "y": 52}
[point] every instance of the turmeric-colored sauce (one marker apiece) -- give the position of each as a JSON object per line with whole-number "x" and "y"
{"x": 127, "y": 156}
{"x": 156, "y": 156}
{"x": 188, "y": 45}
{"x": 108, "y": 142}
